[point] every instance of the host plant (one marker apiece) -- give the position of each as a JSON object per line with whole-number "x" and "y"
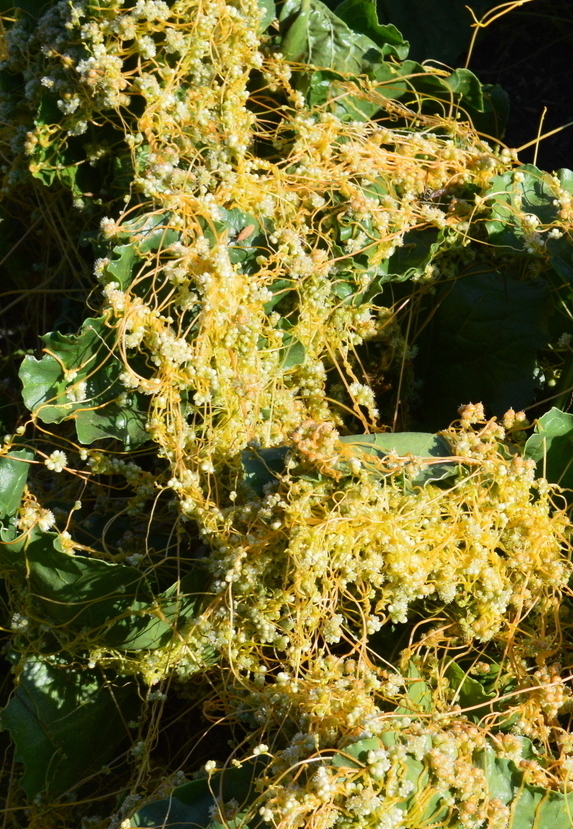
{"x": 239, "y": 591}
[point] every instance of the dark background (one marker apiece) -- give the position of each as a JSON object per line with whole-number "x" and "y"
{"x": 528, "y": 51}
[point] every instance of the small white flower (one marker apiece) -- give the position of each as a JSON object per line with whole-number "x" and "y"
{"x": 57, "y": 461}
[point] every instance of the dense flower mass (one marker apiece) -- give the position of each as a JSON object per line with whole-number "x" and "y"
{"x": 378, "y": 626}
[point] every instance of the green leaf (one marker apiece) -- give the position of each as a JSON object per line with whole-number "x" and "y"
{"x": 421, "y": 446}
{"x": 279, "y": 289}
{"x": 412, "y": 258}
{"x": 175, "y": 607}
{"x": 109, "y": 604}
{"x": 269, "y": 15}
{"x": 121, "y": 268}
{"x": 565, "y": 177}
{"x": 292, "y": 352}
{"x": 481, "y": 344}
{"x": 470, "y": 693}
{"x": 263, "y": 466}
{"x": 418, "y": 691}
{"x": 536, "y": 807}
{"x": 429, "y": 89}
{"x": 189, "y": 806}
{"x": 552, "y": 447}
{"x": 503, "y": 778}
{"x": 89, "y": 358}
{"x": 532, "y": 807}
{"x": 14, "y": 468}
{"x": 356, "y": 751}
{"x": 362, "y": 17}
{"x": 508, "y": 196}
{"x": 139, "y": 236}
{"x": 66, "y": 724}
{"x": 466, "y": 84}
{"x": 316, "y": 36}
{"x": 491, "y": 119}
{"x": 326, "y": 85}
{"x": 150, "y": 232}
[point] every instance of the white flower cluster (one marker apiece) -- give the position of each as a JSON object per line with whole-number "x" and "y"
{"x": 57, "y": 461}
{"x": 32, "y": 515}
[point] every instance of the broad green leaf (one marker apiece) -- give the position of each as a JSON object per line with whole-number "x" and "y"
{"x": 551, "y": 446}
{"x": 326, "y": 85}
{"x": 121, "y": 267}
{"x": 279, "y": 289}
{"x": 429, "y": 89}
{"x": 124, "y": 422}
{"x": 14, "y": 468}
{"x": 292, "y": 353}
{"x": 190, "y": 805}
{"x": 481, "y": 344}
{"x": 66, "y": 724}
{"x": 421, "y": 446}
{"x": 413, "y": 257}
{"x": 314, "y": 35}
{"x": 503, "y": 778}
{"x": 418, "y": 691}
{"x": 175, "y": 607}
{"x": 109, "y": 604}
{"x": 356, "y": 751}
{"x": 362, "y": 17}
{"x": 262, "y": 466}
{"x": 465, "y": 83}
{"x": 269, "y": 14}
{"x": 469, "y": 692}
{"x": 426, "y": 810}
{"x": 491, "y": 119}
{"x": 565, "y": 177}
{"x": 153, "y": 233}
{"x": 536, "y": 807}
{"x": 139, "y": 236}
{"x": 92, "y": 371}
{"x": 508, "y": 196}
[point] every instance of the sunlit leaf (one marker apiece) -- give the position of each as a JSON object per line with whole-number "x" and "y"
{"x": 14, "y": 468}
{"x": 83, "y": 365}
